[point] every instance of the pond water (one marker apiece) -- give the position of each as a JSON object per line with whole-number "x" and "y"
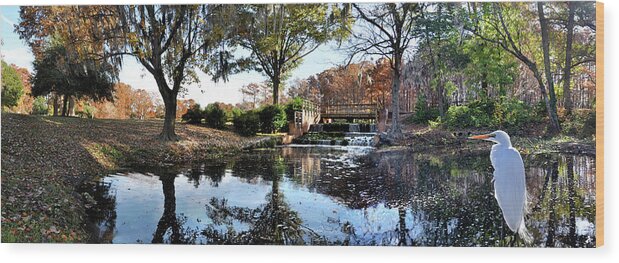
{"x": 343, "y": 196}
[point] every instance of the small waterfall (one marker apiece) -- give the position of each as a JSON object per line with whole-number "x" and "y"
{"x": 343, "y": 127}
{"x": 350, "y": 139}
{"x": 360, "y": 138}
{"x": 355, "y": 134}
{"x": 360, "y": 141}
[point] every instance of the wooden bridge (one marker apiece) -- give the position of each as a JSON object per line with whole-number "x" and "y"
{"x": 312, "y": 113}
{"x": 348, "y": 111}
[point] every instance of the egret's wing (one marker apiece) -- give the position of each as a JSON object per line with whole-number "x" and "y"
{"x": 510, "y": 186}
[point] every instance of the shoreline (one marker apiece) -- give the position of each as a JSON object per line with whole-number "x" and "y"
{"x": 42, "y": 172}
{"x": 46, "y": 159}
{"x": 527, "y": 144}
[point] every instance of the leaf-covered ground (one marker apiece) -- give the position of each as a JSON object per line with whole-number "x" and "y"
{"x": 45, "y": 159}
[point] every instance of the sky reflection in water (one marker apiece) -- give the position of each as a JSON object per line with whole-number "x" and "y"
{"x": 344, "y": 196}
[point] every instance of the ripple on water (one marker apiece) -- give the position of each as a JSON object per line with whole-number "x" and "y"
{"x": 342, "y": 195}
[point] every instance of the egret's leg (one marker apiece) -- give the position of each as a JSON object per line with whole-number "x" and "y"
{"x": 516, "y": 238}
{"x": 513, "y": 241}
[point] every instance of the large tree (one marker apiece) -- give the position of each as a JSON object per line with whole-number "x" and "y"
{"x": 253, "y": 91}
{"x": 503, "y": 24}
{"x": 387, "y": 31}
{"x": 169, "y": 41}
{"x": 567, "y": 68}
{"x": 59, "y": 71}
{"x": 440, "y": 46}
{"x": 279, "y": 36}
{"x": 62, "y": 34}
{"x": 552, "y": 99}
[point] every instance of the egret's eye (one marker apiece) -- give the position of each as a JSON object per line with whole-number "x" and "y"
{"x": 492, "y": 135}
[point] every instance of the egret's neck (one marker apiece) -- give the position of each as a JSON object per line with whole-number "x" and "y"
{"x": 503, "y": 144}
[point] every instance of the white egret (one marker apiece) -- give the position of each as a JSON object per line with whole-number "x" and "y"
{"x": 510, "y": 189}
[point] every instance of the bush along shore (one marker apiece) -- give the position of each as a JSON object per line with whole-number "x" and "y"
{"x": 440, "y": 139}
{"x": 526, "y": 124}
{"x": 46, "y": 159}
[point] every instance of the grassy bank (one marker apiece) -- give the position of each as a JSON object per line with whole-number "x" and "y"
{"x": 422, "y": 138}
{"x": 45, "y": 159}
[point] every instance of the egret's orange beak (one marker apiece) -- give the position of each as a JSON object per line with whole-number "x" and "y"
{"x": 480, "y": 137}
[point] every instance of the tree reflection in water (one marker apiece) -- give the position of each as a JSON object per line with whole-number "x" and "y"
{"x": 101, "y": 215}
{"x": 170, "y": 222}
{"x": 565, "y": 197}
{"x": 272, "y": 223}
{"x": 213, "y": 171}
{"x": 344, "y": 197}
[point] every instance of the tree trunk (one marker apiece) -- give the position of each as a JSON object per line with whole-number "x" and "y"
{"x": 395, "y": 98}
{"x": 276, "y": 82}
{"x": 169, "y": 120}
{"x": 441, "y": 97}
{"x": 552, "y": 114}
{"x": 567, "y": 70}
{"x": 65, "y": 103}
{"x": 169, "y": 102}
{"x": 56, "y": 104}
{"x": 71, "y": 109}
{"x": 552, "y": 100}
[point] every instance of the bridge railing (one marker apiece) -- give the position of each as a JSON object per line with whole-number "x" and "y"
{"x": 310, "y": 106}
{"x": 348, "y": 109}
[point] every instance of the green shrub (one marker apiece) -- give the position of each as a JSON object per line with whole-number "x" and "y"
{"x": 423, "y": 113}
{"x": 86, "y": 112}
{"x": 466, "y": 117}
{"x": 39, "y": 106}
{"x": 539, "y": 109}
{"x": 487, "y": 106}
{"x": 272, "y": 118}
{"x": 589, "y": 128}
{"x": 514, "y": 114}
{"x": 247, "y": 123}
{"x": 508, "y": 113}
{"x": 295, "y": 105}
{"x": 12, "y": 87}
{"x": 580, "y": 124}
{"x": 215, "y": 116}
{"x": 193, "y": 115}
{"x": 233, "y": 113}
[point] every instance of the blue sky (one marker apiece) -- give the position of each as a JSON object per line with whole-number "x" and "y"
{"x": 15, "y": 51}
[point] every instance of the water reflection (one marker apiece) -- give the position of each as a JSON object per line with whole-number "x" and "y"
{"x": 346, "y": 196}
{"x": 271, "y": 223}
{"x": 170, "y": 227}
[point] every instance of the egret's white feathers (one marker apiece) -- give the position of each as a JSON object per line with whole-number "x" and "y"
{"x": 524, "y": 233}
{"x": 510, "y": 184}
